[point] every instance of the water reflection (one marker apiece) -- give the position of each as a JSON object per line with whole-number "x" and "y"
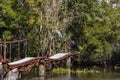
{"x": 82, "y": 76}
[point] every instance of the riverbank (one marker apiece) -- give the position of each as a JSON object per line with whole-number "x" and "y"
{"x": 93, "y": 69}
{"x": 82, "y": 70}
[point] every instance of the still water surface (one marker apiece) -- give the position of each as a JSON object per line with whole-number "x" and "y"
{"x": 111, "y": 75}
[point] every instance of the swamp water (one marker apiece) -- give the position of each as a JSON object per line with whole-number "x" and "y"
{"x": 107, "y": 75}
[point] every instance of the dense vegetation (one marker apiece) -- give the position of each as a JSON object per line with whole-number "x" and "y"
{"x": 91, "y": 27}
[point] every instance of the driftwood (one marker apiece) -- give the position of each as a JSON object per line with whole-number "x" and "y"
{"x": 29, "y": 64}
{"x": 57, "y": 60}
{"x": 24, "y": 66}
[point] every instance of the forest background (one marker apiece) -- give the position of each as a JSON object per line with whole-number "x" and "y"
{"x": 88, "y": 27}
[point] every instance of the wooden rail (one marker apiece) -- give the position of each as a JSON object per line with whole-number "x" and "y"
{"x": 4, "y": 46}
{"x": 14, "y": 41}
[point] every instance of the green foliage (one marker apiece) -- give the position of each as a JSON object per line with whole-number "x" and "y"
{"x": 93, "y": 29}
{"x": 2, "y": 24}
{"x": 84, "y": 70}
{"x": 92, "y": 26}
{"x": 8, "y": 35}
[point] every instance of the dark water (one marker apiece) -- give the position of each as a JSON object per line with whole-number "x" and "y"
{"x": 108, "y": 75}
